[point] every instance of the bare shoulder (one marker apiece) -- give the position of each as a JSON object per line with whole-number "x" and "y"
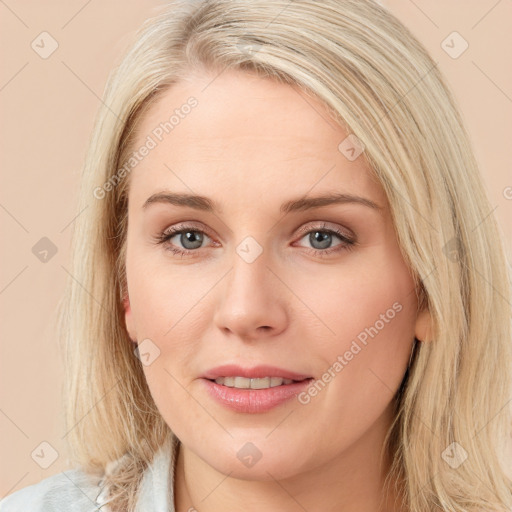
{"x": 71, "y": 491}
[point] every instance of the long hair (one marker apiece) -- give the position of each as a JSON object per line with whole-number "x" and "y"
{"x": 380, "y": 84}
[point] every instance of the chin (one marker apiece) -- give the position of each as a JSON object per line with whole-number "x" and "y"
{"x": 254, "y": 458}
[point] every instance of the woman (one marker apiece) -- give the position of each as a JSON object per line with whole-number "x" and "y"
{"x": 287, "y": 292}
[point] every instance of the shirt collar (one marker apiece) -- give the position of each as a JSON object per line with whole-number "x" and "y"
{"x": 156, "y": 492}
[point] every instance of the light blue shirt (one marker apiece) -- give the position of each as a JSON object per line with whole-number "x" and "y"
{"x": 76, "y": 491}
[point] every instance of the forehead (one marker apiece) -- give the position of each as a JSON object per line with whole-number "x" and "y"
{"x": 247, "y": 136}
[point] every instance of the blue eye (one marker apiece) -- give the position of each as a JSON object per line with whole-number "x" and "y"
{"x": 324, "y": 241}
{"x": 191, "y": 239}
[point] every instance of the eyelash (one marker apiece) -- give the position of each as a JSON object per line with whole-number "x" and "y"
{"x": 165, "y": 236}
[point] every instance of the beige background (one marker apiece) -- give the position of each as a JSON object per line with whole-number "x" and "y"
{"x": 48, "y": 107}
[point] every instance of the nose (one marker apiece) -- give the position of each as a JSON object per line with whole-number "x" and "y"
{"x": 252, "y": 301}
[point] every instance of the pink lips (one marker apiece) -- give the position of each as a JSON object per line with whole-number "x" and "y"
{"x": 253, "y": 400}
{"x": 233, "y": 370}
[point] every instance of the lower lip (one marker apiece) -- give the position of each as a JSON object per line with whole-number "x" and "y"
{"x": 254, "y": 400}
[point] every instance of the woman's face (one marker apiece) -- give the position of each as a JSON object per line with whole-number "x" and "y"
{"x": 274, "y": 282}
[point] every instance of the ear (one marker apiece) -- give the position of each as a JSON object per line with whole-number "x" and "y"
{"x": 423, "y": 328}
{"x": 128, "y": 318}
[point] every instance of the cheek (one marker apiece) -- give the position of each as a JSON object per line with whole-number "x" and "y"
{"x": 163, "y": 295}
{"x": 167, "y": 306}
{"x": 347, "y": 301}
{"x": 371, "y": 312}
{"x": 367, "y": 318}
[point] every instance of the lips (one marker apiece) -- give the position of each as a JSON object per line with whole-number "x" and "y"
{"x": 253, "y": 390}
{"x": 254, "y": 401}
{"x": 257, "y": 372}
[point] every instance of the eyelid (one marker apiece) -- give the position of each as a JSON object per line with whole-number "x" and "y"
{"x": 188, "y": 225}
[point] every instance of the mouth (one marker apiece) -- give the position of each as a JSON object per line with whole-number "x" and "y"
{"x": 239, "y": 382}
{"x": 253, "y": 390}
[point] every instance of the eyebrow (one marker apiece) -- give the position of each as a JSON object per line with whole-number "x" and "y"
{"x": 301, "y": 204}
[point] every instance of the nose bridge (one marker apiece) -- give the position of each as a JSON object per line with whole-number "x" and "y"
{"x": 249, "y": 276}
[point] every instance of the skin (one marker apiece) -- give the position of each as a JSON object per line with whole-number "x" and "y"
{"x": 250, "y": 145}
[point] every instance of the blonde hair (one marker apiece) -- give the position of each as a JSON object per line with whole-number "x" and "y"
{"x": 382, "y": 86}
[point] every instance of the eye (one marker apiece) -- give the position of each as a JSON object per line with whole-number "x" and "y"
{"x": 189, "y": 237}
{"x": 321, "y": 239}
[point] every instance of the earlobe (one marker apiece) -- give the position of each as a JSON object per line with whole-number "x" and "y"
{"x": 128, "y": 318}
{"x": 423, "y": 330}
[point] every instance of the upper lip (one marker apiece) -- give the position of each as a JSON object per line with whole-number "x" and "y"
{"x": 260, "y": 371}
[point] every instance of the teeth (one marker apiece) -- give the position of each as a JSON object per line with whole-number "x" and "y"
{"x": 245, "y": 383}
